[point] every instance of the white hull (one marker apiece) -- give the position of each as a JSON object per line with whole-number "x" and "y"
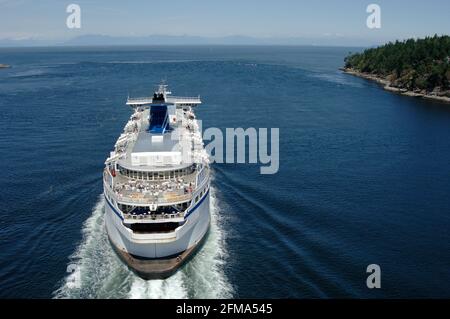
{"x": 156, "y": 185}
{"x": 159, "y": 245}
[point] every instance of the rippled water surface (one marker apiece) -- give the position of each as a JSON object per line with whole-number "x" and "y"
{"x": 363, "y": 176}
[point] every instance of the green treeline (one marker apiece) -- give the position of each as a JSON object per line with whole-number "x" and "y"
{"x": 422, "y": 64}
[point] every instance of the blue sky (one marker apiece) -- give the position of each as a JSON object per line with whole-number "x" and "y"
{"x": 312, "y": 19}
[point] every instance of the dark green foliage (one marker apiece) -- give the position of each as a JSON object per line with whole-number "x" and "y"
{"x": 422, "y": 64}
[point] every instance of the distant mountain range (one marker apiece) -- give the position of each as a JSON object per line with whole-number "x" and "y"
{"x": 160, "y": 40}
{"x": 92, "y": 40}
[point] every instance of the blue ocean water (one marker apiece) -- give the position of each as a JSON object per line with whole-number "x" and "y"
{"x": 364, "y": 175}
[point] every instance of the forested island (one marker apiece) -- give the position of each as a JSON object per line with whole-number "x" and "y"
{"x": 412, "y": 67}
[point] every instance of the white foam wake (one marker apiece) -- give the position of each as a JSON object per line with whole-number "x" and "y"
{"x": 100, "y": 273}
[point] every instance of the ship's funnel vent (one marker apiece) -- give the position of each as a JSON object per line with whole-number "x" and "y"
{"x": 159, "y": 119}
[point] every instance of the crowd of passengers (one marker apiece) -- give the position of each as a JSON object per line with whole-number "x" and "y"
{"x": 155, "y": 189}
{"x": 158, "y": 175}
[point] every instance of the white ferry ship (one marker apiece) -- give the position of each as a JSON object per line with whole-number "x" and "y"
{"x": 156, "y": 185}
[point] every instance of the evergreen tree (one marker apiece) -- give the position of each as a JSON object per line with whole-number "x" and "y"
{"x": 413, "y": 64}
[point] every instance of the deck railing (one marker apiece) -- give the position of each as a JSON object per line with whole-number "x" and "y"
{"x": 166, "y": 217}
{"x": 133, "y": 196}
{"x": 166, "y": 198}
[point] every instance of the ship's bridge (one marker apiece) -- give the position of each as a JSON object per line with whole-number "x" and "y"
{"x": 178, "y": 101}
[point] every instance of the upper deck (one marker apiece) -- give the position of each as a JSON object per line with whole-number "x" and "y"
{"x": 144, "y": 150}
{"x": 160, "y": 153}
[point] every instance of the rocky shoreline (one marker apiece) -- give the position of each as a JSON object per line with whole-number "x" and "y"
{"x": 388, "y": 87}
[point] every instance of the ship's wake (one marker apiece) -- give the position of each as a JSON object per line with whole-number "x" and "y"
{"x": 98, "y": 272}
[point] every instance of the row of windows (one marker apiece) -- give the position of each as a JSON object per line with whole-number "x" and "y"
{"x": 155, "y": 176}
{"x": 200, "y": 195}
